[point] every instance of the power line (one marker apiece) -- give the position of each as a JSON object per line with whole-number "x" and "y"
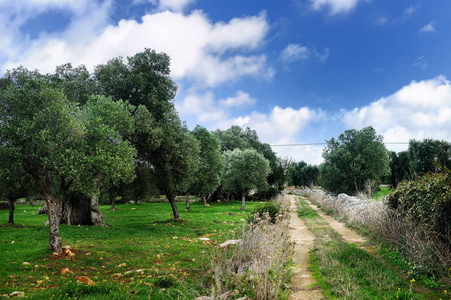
{"x": 313, "y": 144}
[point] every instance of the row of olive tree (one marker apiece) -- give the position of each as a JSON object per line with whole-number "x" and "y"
{"x": 421, "y": 157}
{"x": 302, "y": 174}
{"x": 70, "y": 135}
{"x": 358, "y": 158}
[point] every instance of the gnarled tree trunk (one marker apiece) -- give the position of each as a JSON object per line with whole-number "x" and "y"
{"x": 243, "y": 201}
{"x": 54, "y": 207}
{"x": 76, "y": 210}
{"x": 171, "y": 198}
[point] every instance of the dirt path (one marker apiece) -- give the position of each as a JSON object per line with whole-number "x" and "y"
{"x": 347, "y": 234}
{"x": 303, "y": 284}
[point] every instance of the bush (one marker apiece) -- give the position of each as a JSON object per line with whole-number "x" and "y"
{"x": 426, "y": 200}
{"x": 271, "y": 208}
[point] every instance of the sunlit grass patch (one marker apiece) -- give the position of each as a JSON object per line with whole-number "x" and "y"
{"x": 380, "y": 195}
{"x": 137, "y": 236}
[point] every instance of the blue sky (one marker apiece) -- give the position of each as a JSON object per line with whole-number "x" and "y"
{"x": 297, "y": 71}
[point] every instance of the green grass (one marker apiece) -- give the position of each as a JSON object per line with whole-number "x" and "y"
{"x": 380, "y": 195}
{"x": 309, "y": 215}
{"x": 143, "y": 236}
{"x": 345, "y": 271}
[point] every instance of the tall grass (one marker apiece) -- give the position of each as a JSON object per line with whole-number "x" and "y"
{"x": 259, "y": 266}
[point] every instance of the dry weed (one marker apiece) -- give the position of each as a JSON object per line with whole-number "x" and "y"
{"x": 259, "y": 265}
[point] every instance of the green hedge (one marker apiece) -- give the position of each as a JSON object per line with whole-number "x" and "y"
{"x": 426, "y": 200}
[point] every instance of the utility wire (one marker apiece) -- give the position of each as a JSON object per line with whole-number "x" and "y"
{"x": 313, "y": 144}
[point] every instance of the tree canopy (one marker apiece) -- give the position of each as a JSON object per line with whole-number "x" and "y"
{"x": 245, "y": 170}
{"x": 429, "y": 155}
{"x": 303, "y": 174}
{"x": 355, "y": 158}
{"x": 208, "y": 175}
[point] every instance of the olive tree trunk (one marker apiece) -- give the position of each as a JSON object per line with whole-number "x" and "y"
{"x": 204, "y": 199}
{"x": 171, "y": 198}
{"x": 187, "y": 201}
{"x": 96, "y": 216}
{"x": 11, "y": 211}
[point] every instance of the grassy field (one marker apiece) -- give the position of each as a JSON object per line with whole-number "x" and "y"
{"x": 380, "y": 195}
{"x": 141, "y": 254}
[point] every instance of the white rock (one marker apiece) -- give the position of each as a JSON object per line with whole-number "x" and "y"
{"x": 229, "y": 242}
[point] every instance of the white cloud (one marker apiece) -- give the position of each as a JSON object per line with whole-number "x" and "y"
{"x": 334, "y": 6}
{"x": 310, "y": 154}
{"x": 205, "y": 52}
{"x": 279, "y": 126}
{"x": 175, "y": 5}
{"x": 381, "y": 21}
{"x": 207, "y": 109}
{"x": 323, "y": 56}
{"x": 421, "y": 62}
{"x": 417, "y": 111}
{"x": 428, "y": 27}
{"x": 241, "y": 99}
{"x": 410, "y": 10}
{"x": 284, "y": 126}
{"x": 294, "y": 52}
{"x": 88, "y": 19}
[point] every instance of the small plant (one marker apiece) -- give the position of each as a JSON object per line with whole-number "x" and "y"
{"x": 271, "y": 208}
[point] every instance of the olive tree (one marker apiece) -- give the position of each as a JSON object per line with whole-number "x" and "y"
{"x": 208, "y": 176}
{"x": 109, "y": 155}
{"x": 61, "y": 146}
{"x": 352, "y": 160}
{"x": 243, "y": 171}
{"x": 41, "y": 126}
{"x": 176, "y": 159}
{"x": 15, "y": 182}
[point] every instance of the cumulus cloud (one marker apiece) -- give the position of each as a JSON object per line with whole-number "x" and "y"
{"x": 88, "y": 18}
{"x": 207, "y": 109}
{"x": 283, "y": 126}
{"x": 334, "y": 6}
{"x": 428, "y": 27}
{"x": 241, "y": 99}
{"x": 175, "y": 5}
{"x": 278, "y": 126}
{"x": 308, "y": 153}
{"x": 417, "y": 111}
{"x": 205, "y": 52}
{"x": 294, "y": 52}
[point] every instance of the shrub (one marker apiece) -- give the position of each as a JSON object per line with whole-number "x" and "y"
{"x": 271, "y": 208}
{"x": 427, "y": 201}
